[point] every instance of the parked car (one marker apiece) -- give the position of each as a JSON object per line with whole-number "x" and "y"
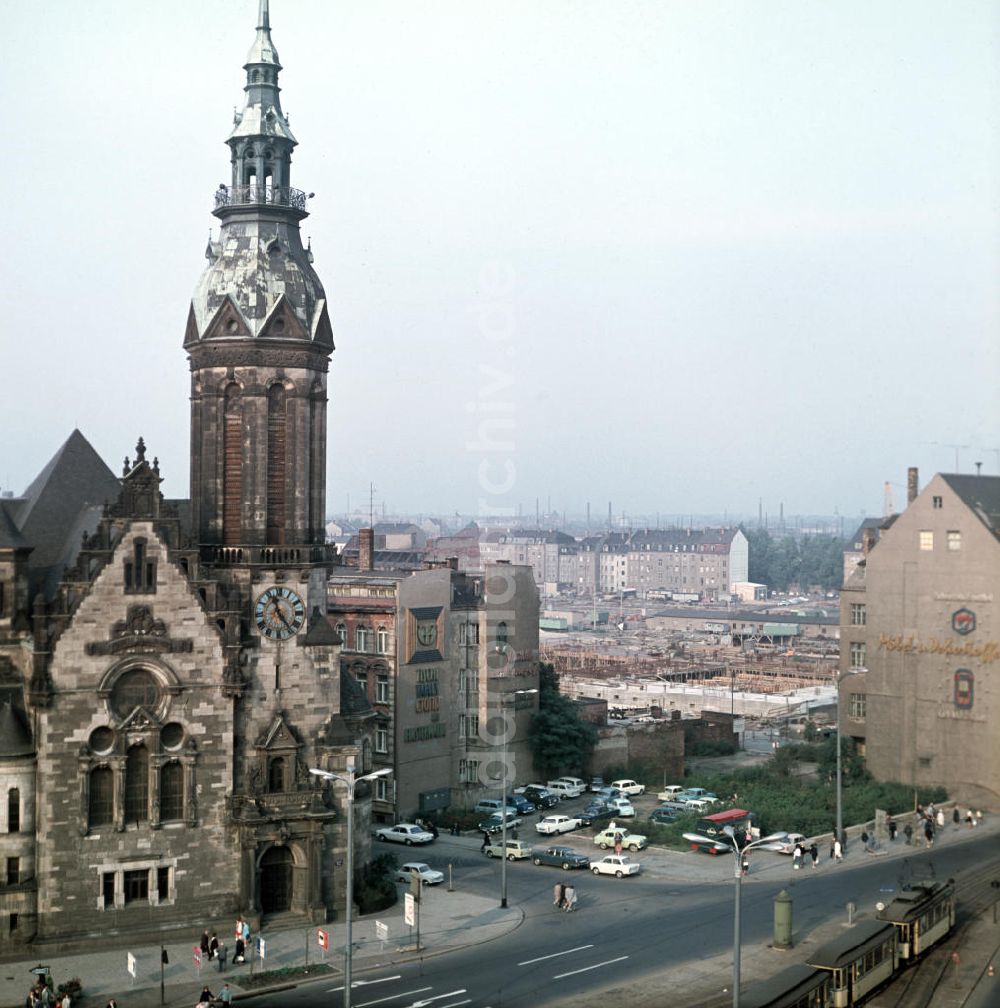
{"x": 697, "y": 794}
{"x": 630, "y": 841}
{"x": 618, "y": 865}
{"x": 675, "y": 807}
{"x": 598, "y": 812}
{"x": 629, "y": 787}
{"x": 562, "y": 857}
{"x": 521, "y": 804}
{"x": 428, "y": 876}
{"x": 492, "y": 806}
{"x": 607, "y": 793}
{"x": 542, "y": 797}
{"x": 663, "y": 816}
{"x": 623, "y": 807}
{"x": 495, "y": 823}
{"x": 557, "y": 824}
{"x": 566, "y": 788}
{"x": 697, "y": 804}
{"x": 669, "y": 793}
{"x": 596, "y": 783}
{"x": 514, "y": 850}
{"x": 404, "y": 833}
{"x": 788, "y": 843}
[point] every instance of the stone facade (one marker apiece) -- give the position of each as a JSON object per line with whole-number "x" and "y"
{"x": 919, "y": 648}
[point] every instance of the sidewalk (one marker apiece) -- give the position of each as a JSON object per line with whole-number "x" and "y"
{"x": 448, "y": 920}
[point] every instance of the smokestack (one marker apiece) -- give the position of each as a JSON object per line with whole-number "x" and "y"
{"x": 911, "y": 485}
{"x": 366, "y": 549}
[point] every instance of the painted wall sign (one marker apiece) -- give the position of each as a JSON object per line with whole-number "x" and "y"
{"x": 963, "y": 621}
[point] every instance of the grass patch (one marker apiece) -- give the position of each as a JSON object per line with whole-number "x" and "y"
{"x": 283, "y": 975}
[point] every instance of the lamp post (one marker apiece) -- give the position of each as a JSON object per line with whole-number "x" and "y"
{"x": 765, "y": 843}
{"x": 350, "y": 780}
{"x": 504, "y": 702}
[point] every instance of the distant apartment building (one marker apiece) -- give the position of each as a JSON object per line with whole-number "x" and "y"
{"x": 546, "y": 551}
{"x": 435, "y": 651}
{"x": 919, "y": 649}
{"x": 702, "y": 561}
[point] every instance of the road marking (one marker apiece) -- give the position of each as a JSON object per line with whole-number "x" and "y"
{"x": 365, "y": 983}
{"x": 437, "y": 997}
{"x": 607, "y": 962}
{"x": 392, "y": 997}
{"x": 555, "y": 955}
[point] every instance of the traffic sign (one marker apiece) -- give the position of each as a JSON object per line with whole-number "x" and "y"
{"x": 409, "y": 909}
{"x": 196, "y": 955}
{"x": 261, "y": 947}
{"x": 323, "y": 939}
{"x": 40, "y": 970}
{"x": 381, "y": 930}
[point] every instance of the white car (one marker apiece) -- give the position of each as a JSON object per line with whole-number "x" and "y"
{"x": 669, "y": 793}
{"x": 788, "y": 843}
{"x": 629, "y": 787}
{"x": 404, "y": 833}
{"x": 618, "y": 865}
{"x": 630, "y": 841}
{"x": 557, "y": 824}
{"x": 428, "y": 876}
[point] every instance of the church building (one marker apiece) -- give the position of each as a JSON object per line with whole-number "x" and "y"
{"x": 168, "y": 676}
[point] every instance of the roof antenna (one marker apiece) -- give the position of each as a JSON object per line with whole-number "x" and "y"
{"x": 979, "y": 466}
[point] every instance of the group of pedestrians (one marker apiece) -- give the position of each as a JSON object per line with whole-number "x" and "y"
{"x": 564, "y": 897}
{"x": 799, "y": 853}
{"x": 41, "y": 995}
{"x": 224, "y": 997}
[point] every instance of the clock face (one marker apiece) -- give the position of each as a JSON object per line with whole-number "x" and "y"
{"x": 279, "y": 613}
{"x": 427, "y": 634}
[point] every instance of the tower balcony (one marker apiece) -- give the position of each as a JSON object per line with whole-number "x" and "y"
{"x": 269, "y": 556}
{"x": 260, "y": 195}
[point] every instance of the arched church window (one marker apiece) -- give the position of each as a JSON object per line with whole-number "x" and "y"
{"x": 135, "y": 688}
{"x": 171, "y": 791}
{"x": 101, "y": 810}
{"x": 14, "y": 810}
{"x": 276, "y": 774}
{"x": 276, "y": 444}
{"x": 137, "y": 785}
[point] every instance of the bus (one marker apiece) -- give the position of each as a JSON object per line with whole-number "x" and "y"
{"x": 714, "y": 825}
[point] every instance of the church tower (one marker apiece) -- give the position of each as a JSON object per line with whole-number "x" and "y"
{"x": 259, "y": 342}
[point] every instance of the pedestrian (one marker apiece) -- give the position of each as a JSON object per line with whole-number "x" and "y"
{"x": 956, "y": 816}
{"x": 204, "y": 945}
{"x": 205, "y": 997}
{"x": 213, "y": 946}
{"x": 979, "y": 817}
{"x": 838, "y": 850}
{"x": 239, "y": 928}
{"x": 929, "y": 833}
{"x": 745, "y": 863}
{"x": 968, "y": 819}
{"x": 557, "y": 894}
{"x": 814, "y": 854}
{"x": 486, "y": 841}
{"x": 226, "y": 995}
{"x": 797, "y": 857}
{"x": 223, "y": 953}
{"x": 891, "y": 824}
{"x": 239, "y": 952}
{"x": 65, "y": 1001}
{"x": 513, "y": 832}
{"x": 833, "y": 843}
{"x": 569, "y": 899}
{"x": 112, "y": 1003}
{"x": 939, "y": 819}
{"x": 433, "y": 830}
{"x": 908, "y": 833}
{"x": 455, "y": 831}
{"x": 612, "y": 825}
{"x": 246, "y": 934}
{"x": 618, "y": 843}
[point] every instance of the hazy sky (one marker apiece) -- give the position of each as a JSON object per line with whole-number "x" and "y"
{"x": 680, "y": 255}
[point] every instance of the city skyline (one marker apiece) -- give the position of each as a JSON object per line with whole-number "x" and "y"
{"x": 658, "y": 255}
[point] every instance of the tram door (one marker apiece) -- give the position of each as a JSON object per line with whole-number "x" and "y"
{"x": 276, "y": 880}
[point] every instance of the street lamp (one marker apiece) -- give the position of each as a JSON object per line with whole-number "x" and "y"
{"x": 765, "y": 843}
{"x": 350, "y": 780}
{"x": 513, "y": 694}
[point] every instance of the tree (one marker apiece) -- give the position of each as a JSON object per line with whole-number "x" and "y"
{"x": 561, "y": 741}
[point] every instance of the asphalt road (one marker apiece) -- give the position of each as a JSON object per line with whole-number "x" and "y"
{"x": 645, "y": 939}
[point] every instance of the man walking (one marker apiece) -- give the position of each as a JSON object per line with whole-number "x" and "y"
{"x": 814, "y": 854}
{"x": 486, "y": 841}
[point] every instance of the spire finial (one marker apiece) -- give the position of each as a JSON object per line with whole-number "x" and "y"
{"x": 263, "y": 17}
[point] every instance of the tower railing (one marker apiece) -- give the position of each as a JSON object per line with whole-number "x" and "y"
{"x": 268, "y": 556}
{"x": 261, "y": 195}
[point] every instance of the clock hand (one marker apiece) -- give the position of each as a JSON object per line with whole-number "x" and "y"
{"x": 281, "y": 615}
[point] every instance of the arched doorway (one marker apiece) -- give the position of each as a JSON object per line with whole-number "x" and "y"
{"x": 276, "y": 880}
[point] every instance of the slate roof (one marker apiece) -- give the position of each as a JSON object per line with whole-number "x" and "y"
{"x": 660, "y": 538}
{"x": 981, "y": 494}
{"x": 65, "y": 499}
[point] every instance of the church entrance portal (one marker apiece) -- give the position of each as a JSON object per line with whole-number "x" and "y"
{"x": 276, "y": 880}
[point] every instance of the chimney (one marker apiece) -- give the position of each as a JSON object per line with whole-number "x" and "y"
{"x": 911, "y": 485}
{"x": 366, "y": 549}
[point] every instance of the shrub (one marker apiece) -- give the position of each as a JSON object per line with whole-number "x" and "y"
{"x": 375, "y": 887}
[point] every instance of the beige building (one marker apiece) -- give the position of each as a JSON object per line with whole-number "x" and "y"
{"x": 919, "y": 641}
{"x": 434, "y": 651}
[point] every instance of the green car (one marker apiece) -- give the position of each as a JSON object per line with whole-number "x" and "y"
{"x": 561, "y": 857}
{"x": 630, "y": 841}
